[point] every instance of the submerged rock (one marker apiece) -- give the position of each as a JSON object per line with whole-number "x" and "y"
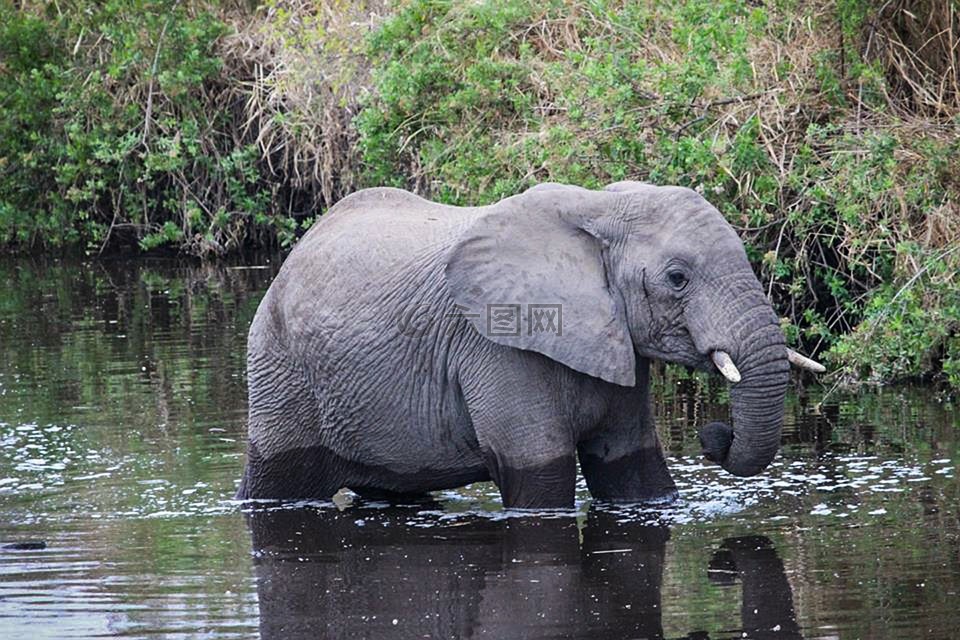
{"x": 26, "y": 545}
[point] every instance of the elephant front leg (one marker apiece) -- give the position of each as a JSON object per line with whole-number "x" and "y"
{"x": 623, "y": 461}
{"x": 622, "y": 467}
{"x": 526, "y": 442}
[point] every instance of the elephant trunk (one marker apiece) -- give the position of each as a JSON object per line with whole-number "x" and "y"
{"x": 757, "y": 403}
{"x": 757, "y": 399}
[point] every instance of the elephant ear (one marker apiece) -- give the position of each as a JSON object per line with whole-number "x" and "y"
{"x": 529, "y": 273}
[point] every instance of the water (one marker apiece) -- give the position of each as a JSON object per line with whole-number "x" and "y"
{"x": 121, "y": 443}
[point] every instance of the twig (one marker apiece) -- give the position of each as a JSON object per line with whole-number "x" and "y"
{"x": 760, "y": 228}
{"x": 76, "y": 47}
{"x": 919, "y": 273}
{"x": 735, "y": 99}
{"x": 715, "y": 103}
{"x": 153, "y": 74}
{"x": 776, "y": 253}
{"x": 687, "y": 125}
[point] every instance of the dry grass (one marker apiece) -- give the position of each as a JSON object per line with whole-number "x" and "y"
{"x": 918, "y": 44}
{"x": 303, "y": 76}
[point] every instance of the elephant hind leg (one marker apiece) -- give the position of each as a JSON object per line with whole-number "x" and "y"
{"x": 302, "y": 473}
{"x": 285, "y": 460}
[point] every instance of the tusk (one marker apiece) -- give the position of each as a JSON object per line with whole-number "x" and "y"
{"x": 803, "y": 362}
{"x": 726, "y": 366}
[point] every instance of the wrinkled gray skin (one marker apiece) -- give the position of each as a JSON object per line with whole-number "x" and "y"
{"x": 371, "y": 365}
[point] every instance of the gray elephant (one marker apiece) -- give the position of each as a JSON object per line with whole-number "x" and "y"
{"x": 407, "y": 346}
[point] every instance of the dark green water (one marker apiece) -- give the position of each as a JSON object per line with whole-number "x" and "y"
{"x": 121, "y": 442}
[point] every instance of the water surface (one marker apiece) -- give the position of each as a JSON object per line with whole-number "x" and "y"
{"x": 121, "y": 442}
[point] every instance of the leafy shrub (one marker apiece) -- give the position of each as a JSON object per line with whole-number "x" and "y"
{"x": 119, "y": 126}
{"x": 771, "y": 112}
{"x": 31, "y": 65}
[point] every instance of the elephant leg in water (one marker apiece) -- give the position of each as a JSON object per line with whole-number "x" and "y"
{"x": 531, "y": 445}
{"x": 625, "y": 462}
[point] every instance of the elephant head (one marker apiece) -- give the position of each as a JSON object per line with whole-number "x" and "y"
{"x": 635, "y": 271}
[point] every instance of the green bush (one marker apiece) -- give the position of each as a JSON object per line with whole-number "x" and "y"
{"x": 32, "y": 78}
{"x": 115, "y": 125}
{"x": 760, "y": 109}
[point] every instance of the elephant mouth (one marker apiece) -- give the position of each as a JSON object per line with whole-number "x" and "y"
{"x": 747, "y": 447}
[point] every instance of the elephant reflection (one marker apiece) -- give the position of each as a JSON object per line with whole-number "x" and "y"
{"x": 370, "y": 574}
{"x": 767, "y": 610}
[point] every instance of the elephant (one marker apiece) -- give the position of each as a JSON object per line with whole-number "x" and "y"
{"x": 407, "y": 346}
{"x": 517, "y": 577}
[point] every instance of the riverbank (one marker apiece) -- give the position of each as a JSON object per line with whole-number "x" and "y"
{"x": 826, "y": 132}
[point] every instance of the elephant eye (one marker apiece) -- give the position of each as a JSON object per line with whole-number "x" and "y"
{"x": 677, "y": 279}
